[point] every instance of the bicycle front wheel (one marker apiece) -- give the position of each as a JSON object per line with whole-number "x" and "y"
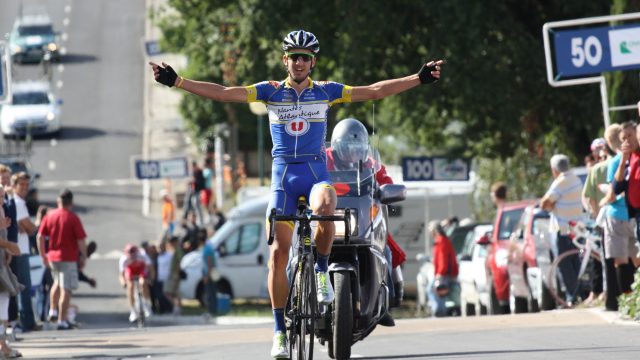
{"x": 306, "y": 305}
{"x": 571, "y": 275}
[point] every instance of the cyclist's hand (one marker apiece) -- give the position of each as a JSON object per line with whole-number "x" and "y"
{"x": 164, "y": 74}
{"x": 430, "y": 72}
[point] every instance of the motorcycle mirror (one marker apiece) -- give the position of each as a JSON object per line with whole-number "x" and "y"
{"x": 392, "y": 193}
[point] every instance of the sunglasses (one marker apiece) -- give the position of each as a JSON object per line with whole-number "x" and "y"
{"x": 304, "y": 56}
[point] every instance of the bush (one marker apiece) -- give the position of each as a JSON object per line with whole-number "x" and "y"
{"x": 629, "y": 304}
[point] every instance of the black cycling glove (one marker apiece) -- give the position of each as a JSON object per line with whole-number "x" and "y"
{"x": 425, "y": 74}
{"x": 166, "y": 76}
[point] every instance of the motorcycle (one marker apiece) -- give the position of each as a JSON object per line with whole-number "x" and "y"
{"x": 358, "y": 268}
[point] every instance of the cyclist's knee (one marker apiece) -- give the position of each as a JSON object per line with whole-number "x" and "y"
{"x": 279, "y": 258}
{"x": 323, "y": 201}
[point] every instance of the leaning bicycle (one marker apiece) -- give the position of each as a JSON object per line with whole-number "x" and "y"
{"x": 588, "y": 252}
{"x": 301, "y": 310}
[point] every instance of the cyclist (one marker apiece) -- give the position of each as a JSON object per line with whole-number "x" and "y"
{"x": 135, "y": 263}
{"x": 349, "y": 145}
{"x": 298, "y": 108}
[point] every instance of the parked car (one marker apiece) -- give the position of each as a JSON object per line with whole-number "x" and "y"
{"x": 474, "y": 292}
{"x": 426, "y": 272}
{"x": 33, "y": 110}
{"x": 242, "y": 254}
{"x": 31, "y": 37}
{"x": 507, "y": 219}
{"x": 529, "y": 260}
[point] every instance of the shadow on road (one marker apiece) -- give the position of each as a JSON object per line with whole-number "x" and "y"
{"x": 77, "y": 58}
{"x": 80, "y": 132}
{"x": 467, "y": 354}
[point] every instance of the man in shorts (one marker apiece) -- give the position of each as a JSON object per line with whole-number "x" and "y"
{"x": 66, "y": 253}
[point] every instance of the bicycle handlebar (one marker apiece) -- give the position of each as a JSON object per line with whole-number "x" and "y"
{"x": 304, "y": 218}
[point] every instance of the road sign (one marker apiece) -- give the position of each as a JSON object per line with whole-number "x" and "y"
{"x": 159, "y": 169}
{"x": 434, "y": 169}
{"x": 596, "y": 50}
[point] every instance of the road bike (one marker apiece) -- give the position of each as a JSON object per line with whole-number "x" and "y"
{"x": 138, "y": 301}
{"x": 301, "y": 310}
{"x": 584, "y": 259}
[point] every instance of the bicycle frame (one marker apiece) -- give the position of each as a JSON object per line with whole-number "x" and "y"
{"x": 301, "y": 309}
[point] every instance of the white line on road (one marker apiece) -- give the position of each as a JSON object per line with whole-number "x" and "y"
{"x": 65, "y": 22}
{"x": 67, "y": 9}
{"x": 52, "y": 165}
{"x": 81, "y": 183}
{"x": 59, "y": 84}
{"x": 113, "y": 254}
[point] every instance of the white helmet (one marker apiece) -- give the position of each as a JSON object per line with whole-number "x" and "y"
{"x": 301, "y": 39}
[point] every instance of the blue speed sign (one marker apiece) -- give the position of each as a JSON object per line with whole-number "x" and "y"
{"x": 595, "y": 50}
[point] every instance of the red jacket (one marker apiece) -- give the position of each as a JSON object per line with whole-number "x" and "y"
{"x": 444, "y": 257}
{"x": 398, "y": 256}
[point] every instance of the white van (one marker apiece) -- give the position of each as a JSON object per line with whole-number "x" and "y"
{"x": 241, "y": 253}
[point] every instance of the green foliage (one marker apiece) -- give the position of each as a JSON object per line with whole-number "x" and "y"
{"x": 527, "y": 173}
{"x": 629, "y": 304}
{"x": 493, "y": 82}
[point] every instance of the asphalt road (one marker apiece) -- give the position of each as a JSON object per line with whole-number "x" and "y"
{"x": 100, "y": 82}
{"x": 564, "y": 334}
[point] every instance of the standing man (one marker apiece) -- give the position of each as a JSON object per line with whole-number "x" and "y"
{"x": 298, "y": 108}
{"x": 26, "y": 228}
{"x": 9, "y": 206}
{"x": 563, "y": 201}
{"x": 67, "y": 251}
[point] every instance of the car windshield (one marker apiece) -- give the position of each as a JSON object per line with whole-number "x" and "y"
{"x": 31, "y": 30}
{"x": 30, "y": 98}
{"x": 508, "y": 223}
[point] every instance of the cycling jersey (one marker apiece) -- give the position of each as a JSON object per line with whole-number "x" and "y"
{"x": 298, "y": 121}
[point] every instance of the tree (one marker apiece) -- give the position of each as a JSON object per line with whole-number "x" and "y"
{"x": 493, "y": 85}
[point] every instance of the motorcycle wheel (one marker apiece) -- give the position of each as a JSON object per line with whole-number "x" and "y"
{"x": 342, "y": 316}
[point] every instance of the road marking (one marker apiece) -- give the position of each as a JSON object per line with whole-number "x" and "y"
{"x": 85, "y": 183}
{"x": 52, "y": 165}
{"x": 67, "y": 9}
{"x": 65, "y": 22}
{"x": 53, "y": 143}
{"x": 59, "y": 84}
{"x": 113, "y": 254}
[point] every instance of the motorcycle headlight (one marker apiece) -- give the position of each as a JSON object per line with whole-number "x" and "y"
{"x": 51, "y": 116}
{"x": 340, "y": 228}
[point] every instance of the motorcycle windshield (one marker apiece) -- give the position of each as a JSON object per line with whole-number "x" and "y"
{"x": 355, "y": 178}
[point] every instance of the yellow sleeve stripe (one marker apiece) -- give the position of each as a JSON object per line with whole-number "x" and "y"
{"x": 346, "y": 96}
{"x": 252, "y": 93}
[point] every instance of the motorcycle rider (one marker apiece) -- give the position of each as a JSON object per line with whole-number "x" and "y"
{"x": 349, "y": 145}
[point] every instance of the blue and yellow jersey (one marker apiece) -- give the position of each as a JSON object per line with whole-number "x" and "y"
{"x": 298, "y": 121}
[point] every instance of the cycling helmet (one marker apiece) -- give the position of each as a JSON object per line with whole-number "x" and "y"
{"x": 301, "y": 39}
{"x": 130, "y": 249}
{"x": 350, "y": 141}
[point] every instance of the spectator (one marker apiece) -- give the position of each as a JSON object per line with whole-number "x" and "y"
{"x": 26, "y": 228}
{"x": 192, "y": 197}
{"x": 591, "y": 197}
{"x": 8, "y": 284}
{"x": 563, "y": 201}
{"x": 207, "y": 192}
{"x": 597, "y": 145}
{"x": 172, "y": 285}
{"x": 191, "y": 228}
{"x": 209, "y": 274}
{"x": 66, "y": 254}
{"x": 589, "y": 161}
{"x": 168, "y": 215}
{"x": 619, "y": 236}
{"x": 445, "y": 284}
{"x": 9, "y": 207}
{"x": 498, "y": 194}
{"x": 163, "y": 271}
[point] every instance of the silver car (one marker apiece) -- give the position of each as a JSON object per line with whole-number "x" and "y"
{"x": 33, "y": 110}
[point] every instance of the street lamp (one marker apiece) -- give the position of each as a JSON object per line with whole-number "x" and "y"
{"x": 260, "y": 109}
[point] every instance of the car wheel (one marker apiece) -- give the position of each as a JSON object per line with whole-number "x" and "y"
{"x": 494, "y": 304}
{"x": 520, "y": 305}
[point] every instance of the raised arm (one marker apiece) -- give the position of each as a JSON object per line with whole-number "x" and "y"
{"x": 429, "y": 73}
{"x": 167, "y": 76}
